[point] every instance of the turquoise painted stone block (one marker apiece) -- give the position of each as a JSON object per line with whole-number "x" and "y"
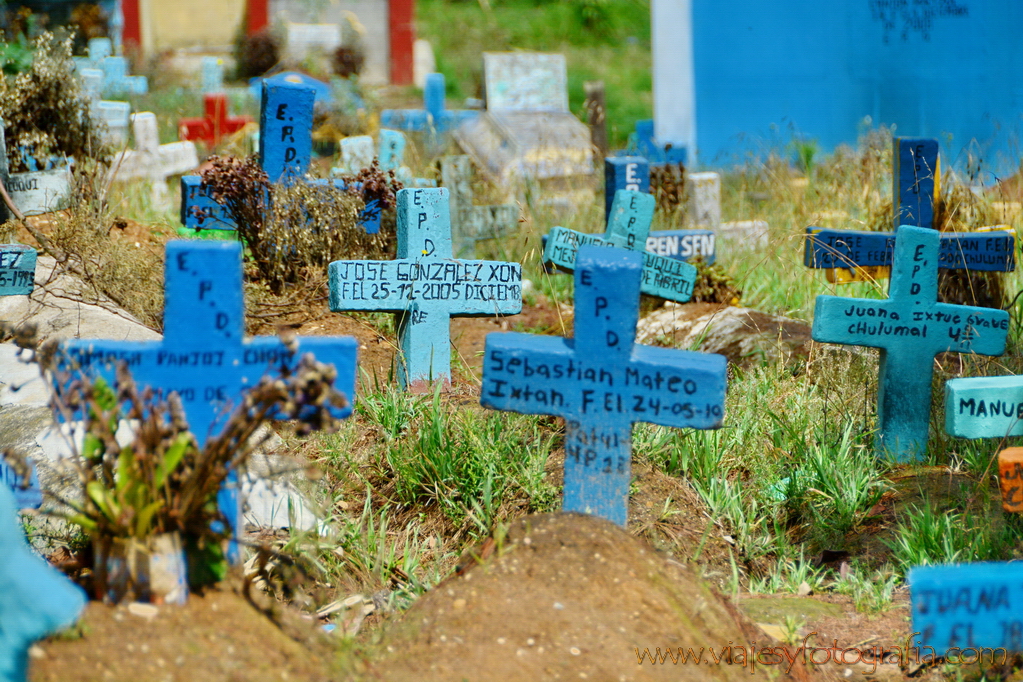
{"x": 17, "y": 269}
{"x": 965, "y": 606}
{"x": 425, "y": 286}
{"x": 392, "y": 149}
{"x": 984, "y": 407}
{"x": 601, "y": 382}
{"x": 910, "y": 327}
{"x": 627, "y": 228}
{"x": 204, "y": 354}
{"x": 37, "y": 599}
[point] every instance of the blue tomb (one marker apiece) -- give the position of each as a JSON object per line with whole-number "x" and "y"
{"x": 624, "y": 172}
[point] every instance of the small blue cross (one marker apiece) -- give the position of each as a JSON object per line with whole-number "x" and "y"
{"x": 627, "y": 228}
{"x": 37, "y": 599}
{"x": 285, "y": 150}
{"x": 433, "y": 117}
{"x": 204, "y": 355}
{"x": 910, "y": 328}
{"x": 602, "y": 382}
{"x": 425, "y": 287}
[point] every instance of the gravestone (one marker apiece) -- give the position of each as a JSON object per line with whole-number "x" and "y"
{"x": 601, "y": 382}
{"x": 17, "y": 269}
{"x": 285, "y": 150}
{"x": 683, "y": 244}
{"x": 850, "y": 249}
{"x": 304, "y": 40}
{"x": 624, "y": 172}
{"x": 703, "y": 191}
{"x": 628, "y": 228}
{"x": 357, "y": 152}
{"x": 151, "y": 160}
{"x": 967, "y": 606}
{"x": 984, "y": 407}
{"x": 433, "y": 117}
{"x": 392, "y": 149}
{"x": 37, "y": 599}
{"x": 212, "y": 74}
{"x": 916, "y": 180}
{"x": 425, "y": 287}
{"x": 471, "y": 223}
{"x": 909, "y": 328}
{"x": 116, "y": 116}
{"x": 527, "y": 132}
{"x": 204, "y": 355}
{"x": 642, "y": 143}
{"x": 1010, "y": 477}
{"x": 216, "y": 123}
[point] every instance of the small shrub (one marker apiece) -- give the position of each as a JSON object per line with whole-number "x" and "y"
{"x": 257, "y": 54}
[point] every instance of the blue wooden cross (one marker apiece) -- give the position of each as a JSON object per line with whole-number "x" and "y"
{"x": 627, "y": 228}
{"x": 967, "y": 606}
{"x": 916, "y": 180}
{"x": 910, "y": 328}
{"x": 624, "y": 172}
{"x": 425, "y": 287}
{"x": 36, "y": 600}
{"x": 285, "y": 151}
{"x": 17, "y": 269}
{"x": 993, "y": 251}
{"x": 602, "y": 382}
{"x": 204, "y": 355}
{"x": 433, "y": 117}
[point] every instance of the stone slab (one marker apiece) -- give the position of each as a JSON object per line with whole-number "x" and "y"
{"x": 39, "y": 192}
{"x": 525, "y": 81}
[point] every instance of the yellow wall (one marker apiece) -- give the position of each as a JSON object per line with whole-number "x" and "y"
{"x": 170, "y": 24}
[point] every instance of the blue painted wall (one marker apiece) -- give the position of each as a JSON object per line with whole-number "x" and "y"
{"x": 766, "y": 71}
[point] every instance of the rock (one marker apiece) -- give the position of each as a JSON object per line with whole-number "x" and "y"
{"x": 743, "y": 335}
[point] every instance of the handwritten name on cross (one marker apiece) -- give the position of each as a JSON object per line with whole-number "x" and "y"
{"x": 37, "y": 599}
{"x": 910, "y": 328}
{"x": 984, "y": 407}
{"x": 204, "y": 356}
{"x": 285, "y": 150}
{"x": 471, "y": 223}
{"x": 17, "y": 269}
{"x": 967, "y": 606}
{"x": 425, "y": 287}
{"x": 601, "y": 382}
{"x": 628, "y": 228}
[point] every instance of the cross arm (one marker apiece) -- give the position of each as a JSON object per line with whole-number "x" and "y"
{"x": 681, "y": 389}
{"x": 969, "y": 329}
{"x": 528, "y": 374}
{"x": 487, "y": 288}
{"x": 836, "y": 320}
{"x": 370, "y": 285}
{"x": 984, "y": 407}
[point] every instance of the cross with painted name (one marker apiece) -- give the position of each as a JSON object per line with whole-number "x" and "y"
{"x": 285, "y": 150}
{"x": 984, "y": 407}
{"x": 909, "y": 328}
{"x": 471, "y": 223}
{"x": 624, "y": 172}
{"x": 17, "y": 269}
{"x": 425, "y": 287}
{"x": 967, "y": 606}
{"x": 631, "y": 214}
{"x": 993, "y": 250}
{"x": 204, "y": 355}
{"x": 601, "y": 382}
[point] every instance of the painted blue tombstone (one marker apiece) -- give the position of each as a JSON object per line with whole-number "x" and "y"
{"x": 433, "y": 117}
{"x": 967, "y": 606}
{"x": 17, "y": 269}
{"x": 642, "y": 143}
{"x": 285, "y": 150}
{"x": 909, "y": 328}
{"x": 425, "y": 287}
{"x": 916, "y": 180}
{"x": 601, "y": 382}
{"x": 993, "y": 251}
{"x": 683, "y": 244}
{"x": 624, "y": 172}
{"x": 392, "y": 149}
{"x": 984, "y": 407}
{"x": 627, "y": 228}
{"x": 37, "y": 599}
{"x": 204, "y": 355}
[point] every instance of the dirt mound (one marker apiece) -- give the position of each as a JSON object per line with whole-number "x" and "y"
{"x": 566, "y": 596}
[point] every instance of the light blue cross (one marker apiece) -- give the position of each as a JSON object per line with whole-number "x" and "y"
{"x": 433, "y": 117}
{"x": 425, "y": 286}
{"x": 602, "y": 382}
{"x": 204, "y": 355}
{"x": 627, "y": 228}
{"x": 909, "y": 328}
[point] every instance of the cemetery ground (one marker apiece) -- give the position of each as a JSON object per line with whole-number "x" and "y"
{"x": 431, "y": 500}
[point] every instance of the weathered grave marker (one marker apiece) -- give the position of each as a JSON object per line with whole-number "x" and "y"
{"x": 916, "y": 180}
{"x": 433, "y": 117}
{"x": 984, "y": 407}
{"x": 601, "y": 382}
{"x": 909, "y": 328}
{"x": 627, "y": 228}
{"x": 1010, "y": 476}
{"x": 624, "y": 172}
{"x": 285, "y": 150}
{"x": 37, "y": 599}
{"x": 212, "y": 74}
{"x": 215, "y": 124}
{"x": 471, "y": 223}
{"x": 17, "y": 269}
{"x": 392, "y": 149}
{"x": 357, "y": 152}
{"x": 967, "y": 606}
{"x": 683, "y": 244}
{"x": 151, "y": 160}
{"x": 425, "y": 287}
{"x": 703, "y": 191}
{"x": 204, "y": 355}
